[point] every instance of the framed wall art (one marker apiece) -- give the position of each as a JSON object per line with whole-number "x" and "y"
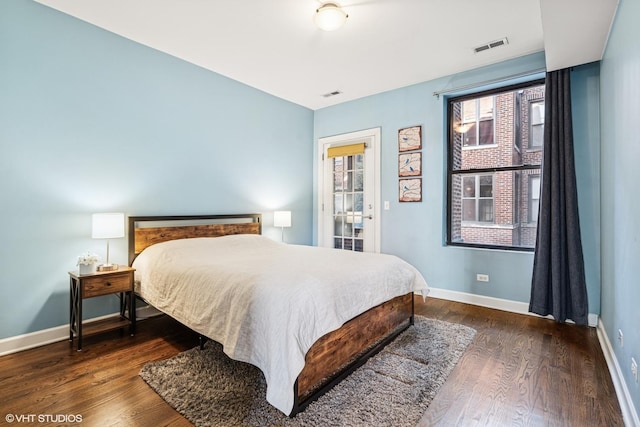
{"x": 410, "y": 138}
{"x": 410, "y": 164}
{"x": 410, "y": 190}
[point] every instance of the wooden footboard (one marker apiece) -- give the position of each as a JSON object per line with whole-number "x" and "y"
{"x": 338, "y": 353}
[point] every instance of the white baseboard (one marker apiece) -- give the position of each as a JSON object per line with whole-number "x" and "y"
{"x": 39, "y": 338}
{"x": 59, "y": 333}
{"x": 629, "y": 412}
{"x": 491, "y": 302}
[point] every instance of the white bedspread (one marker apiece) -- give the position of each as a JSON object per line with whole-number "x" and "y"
{"x": 267, "y": 302}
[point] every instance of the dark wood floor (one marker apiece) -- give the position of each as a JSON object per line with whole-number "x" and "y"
{"x": 519, "y": 370}
{"x": 522, "y": 370}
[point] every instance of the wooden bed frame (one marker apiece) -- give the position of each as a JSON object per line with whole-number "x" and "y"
{"x": 335, "y": 355}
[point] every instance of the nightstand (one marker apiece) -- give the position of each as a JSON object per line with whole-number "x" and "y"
{"x": 83, "y": 286}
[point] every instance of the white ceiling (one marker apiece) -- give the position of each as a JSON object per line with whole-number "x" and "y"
{"x": 274, "y": 46}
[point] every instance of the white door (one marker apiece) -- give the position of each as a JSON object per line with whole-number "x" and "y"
{"x": 348, "y": 216}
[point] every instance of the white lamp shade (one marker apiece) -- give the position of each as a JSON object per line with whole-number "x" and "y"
{"x": 107, "y": 225}
{"x": 282, "y": 219}
{"x": 330, "y": 17}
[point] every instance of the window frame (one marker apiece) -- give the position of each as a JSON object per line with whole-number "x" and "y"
{"x": 479, "y": 171}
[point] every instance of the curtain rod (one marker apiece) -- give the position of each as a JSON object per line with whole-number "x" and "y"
{"x": 487, "y": 82}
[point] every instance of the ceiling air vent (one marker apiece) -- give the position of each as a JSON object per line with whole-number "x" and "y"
{"x": 330, "y": 94}
{"x": 491, "y": 45}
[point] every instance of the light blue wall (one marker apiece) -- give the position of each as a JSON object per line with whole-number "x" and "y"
{"x": 416, "y": 231}
{"x": 585, "y": 104}
{"x": 620, "y": 95}
{"x": 92, "y": 122}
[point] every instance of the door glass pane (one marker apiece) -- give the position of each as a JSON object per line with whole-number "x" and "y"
{"x": 338, "y": 203}
{"x": 358, "y": 204}
{"x": 359, "y": 180}
{"x": 348, "y": 181}
{"x": 348, "y": 229}
{"x": 338, "y": 181}
{"x": 348, "y": 202}
{"x": 359, "y": 161}
{"x": 348, "y": 206}
{"x": 337, "y": 243}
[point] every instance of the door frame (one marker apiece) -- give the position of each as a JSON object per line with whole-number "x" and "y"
{"x": 372, "y": 138}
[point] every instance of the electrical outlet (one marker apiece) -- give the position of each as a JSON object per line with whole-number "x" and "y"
{"x": 482, "y": 277}
{"x": 634, "y": 369}
{"x": 620, "y": 338}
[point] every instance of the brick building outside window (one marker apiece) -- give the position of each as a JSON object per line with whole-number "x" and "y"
{"x": 495, "y": 154}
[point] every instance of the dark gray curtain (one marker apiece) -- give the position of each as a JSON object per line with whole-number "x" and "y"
{"x": 558, "y": 286}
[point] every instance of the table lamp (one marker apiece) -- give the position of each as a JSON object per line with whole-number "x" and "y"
{"x": 282, "y": 219}
{"x": 107, "y": 226}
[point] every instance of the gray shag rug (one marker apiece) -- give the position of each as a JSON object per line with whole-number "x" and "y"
{"x": 393, "y": 388}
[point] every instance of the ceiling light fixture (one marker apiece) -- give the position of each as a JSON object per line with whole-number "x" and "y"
{"x": 330, "y": 17}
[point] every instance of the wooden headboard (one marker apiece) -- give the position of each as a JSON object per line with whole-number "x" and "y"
{"x": 145, "y": 231}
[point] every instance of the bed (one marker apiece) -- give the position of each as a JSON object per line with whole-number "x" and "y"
{"x": 306, "y": 316}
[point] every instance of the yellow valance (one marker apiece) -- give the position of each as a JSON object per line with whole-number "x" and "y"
{"x": 346, "y": 150}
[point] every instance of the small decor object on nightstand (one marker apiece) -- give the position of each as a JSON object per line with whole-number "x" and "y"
{"x": 107, "y": 226}
{"x": 87, "y": 263}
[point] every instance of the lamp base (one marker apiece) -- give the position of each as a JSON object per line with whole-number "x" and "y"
{"x": 107, "y": 267}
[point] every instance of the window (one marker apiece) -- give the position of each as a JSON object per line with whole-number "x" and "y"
{"x": 477, "y": 198}
{"x": 536, "y": 130}
{"x": 493, "y": 185}
{"x": 477, "y": 122}
{"x": 534, "y": 197}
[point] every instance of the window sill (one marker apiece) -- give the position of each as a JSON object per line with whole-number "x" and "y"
{"x": 485, "y": 247}
{"x": 479, "y": 147}
{"x": 487, "y": 225}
